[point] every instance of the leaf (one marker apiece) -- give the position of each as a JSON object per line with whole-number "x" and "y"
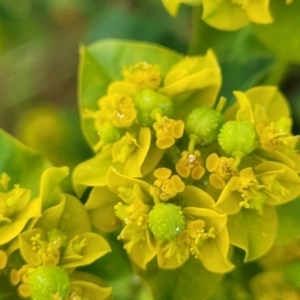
{"x": 252, "y": 231}
{"x": 283, "y": 29}
{"x": 288, "y": 220}
{"x": 102, "y": 62}
{"x": 189, "y": 282}
{"x": 92, "y": 172}
{"x": 24, "y": 165}
{"x": 244, "y": 60}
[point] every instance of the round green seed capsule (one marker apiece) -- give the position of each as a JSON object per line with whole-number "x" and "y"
{"x": 147, "y": 101}
{"x": 166, "y": 221}
{"x": 238, "y": 136}
{"x": 109, "y": 133}
{"x": 205, "y": 123}
{"x": 45, "y": 282}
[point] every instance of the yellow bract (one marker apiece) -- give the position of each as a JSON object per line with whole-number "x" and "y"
{"x": 123, "y": 148}
{"x": 173, "y": 5}
{"x": 228, "y": 14}
{"x": 16, "y": 209}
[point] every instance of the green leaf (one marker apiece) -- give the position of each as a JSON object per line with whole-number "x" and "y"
{"x": 252, "y": 231}
{"x": 244, "y": 60}
{"x": 22, "y": 164}
{"x": 189, "y": 282}
{"x": 282, "y": 36}
{"x": 288, "y": 220}
{"x": 102, "y": 62}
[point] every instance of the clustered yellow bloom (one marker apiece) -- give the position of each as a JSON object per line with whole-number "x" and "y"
{"x": 188, "y": 178}
{"x": 53, "y": 235}
{"x": 228, "y": 14}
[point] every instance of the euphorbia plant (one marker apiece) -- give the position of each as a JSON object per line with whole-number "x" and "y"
{"x": 196, "y": 186}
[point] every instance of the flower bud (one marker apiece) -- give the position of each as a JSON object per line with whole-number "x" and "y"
{"x": 166, "y": 221}
{"x": 238, "y": 136}
{"x": 147, "y": 101}
{"x": 205, "y": 123}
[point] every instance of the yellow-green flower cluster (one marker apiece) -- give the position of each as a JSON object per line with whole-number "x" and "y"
{"x": 182, "y": 176}
{"x": 44, "y": 239}
{"x": 228, "y": 14}
{"x": 140, "y": 117}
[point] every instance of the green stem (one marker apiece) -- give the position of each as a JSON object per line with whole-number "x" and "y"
{"x": 276, "y": 74}
{"x": 195, "y": 46}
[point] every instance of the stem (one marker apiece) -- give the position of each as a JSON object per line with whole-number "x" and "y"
{"x": 156, "y": 199}
{"x": 195, "y": 46}
{"x": 276, "y": 74}
{"x": 192, "y": 143}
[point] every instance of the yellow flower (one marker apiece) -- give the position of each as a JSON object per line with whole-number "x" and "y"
{"x": 118, "y": 109}
{"x": 276, "y": 133}
{"x": 165, "y": 188}
{"x": 167, "y": 130}
{"x": 162, "y": 220}
{"x": 269, "y": 183}
{"x": 57, "y": 240}
{"x": 16, "y": 209}
{"x": 133, "y": 155}
{"x": 222, "y": 168}
{"x": 190, "y": 165}
{"x": 267, "y": 109}
{"x": 143, "y": 75}
{"x": 250, "y": 199}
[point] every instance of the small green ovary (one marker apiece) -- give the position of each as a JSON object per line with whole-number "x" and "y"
{"x": 238, "y": 136}
{"x": 109, "y": 133}
{"x": 49, "y": 283}
{"x": 147, "y": 101}
{"x": 166, "y": 221}
{"x": 205, "y": 123}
